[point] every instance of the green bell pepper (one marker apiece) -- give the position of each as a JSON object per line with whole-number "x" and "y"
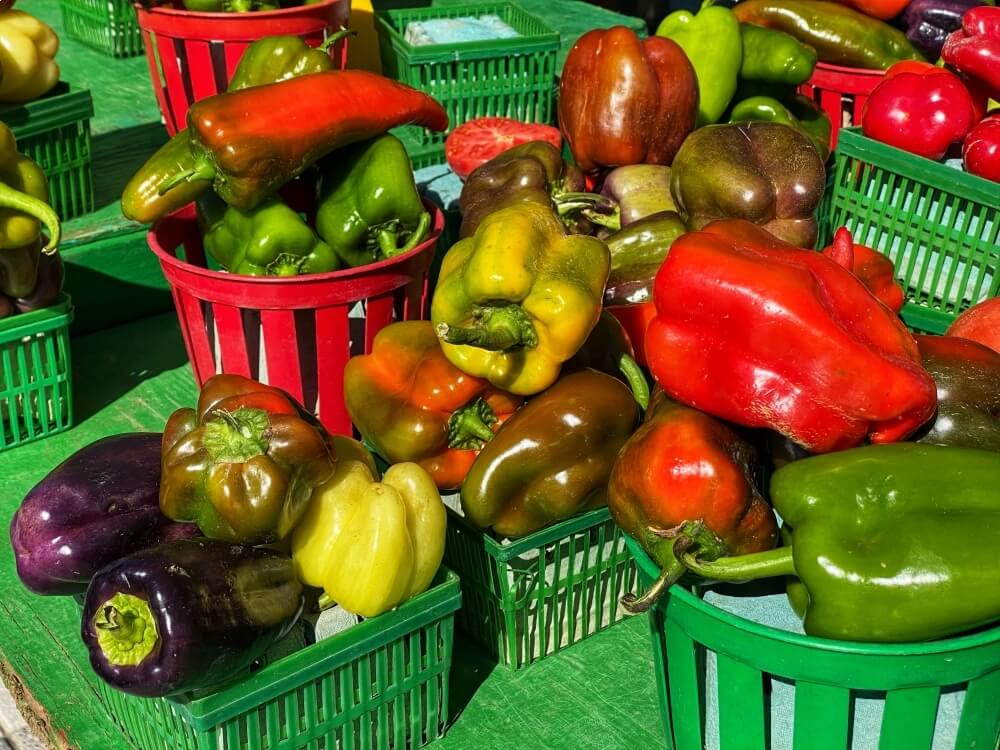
{"x": 277, "y": 58}
{"x": 711, "y": 40}
{"x": 772, "y": 56}
{"x": 369, "y": 207}
{"x": 270, "y": 240}
{"x": 229, "y": 6}
{"x": 889, "y": 543}
{"x": 816, "y": 124}
{"x": 645, "y": 241}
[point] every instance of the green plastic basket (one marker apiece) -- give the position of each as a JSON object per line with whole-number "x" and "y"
{"x": 828, "y": 678}
{"x": 940, "y": 226}
{"x": 380, "y": 684}
{"x": 106, "y": 25}
{"x": 527, "y": 599}
{"x": 35, "y": 377}
{"x": 501, "y": 77}
{"x": 54, "y": 131}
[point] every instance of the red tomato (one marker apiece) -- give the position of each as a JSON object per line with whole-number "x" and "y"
{"x": 980, "y": 323}
{"x": 477, "y": 141}
{"x": 981, "y": 149}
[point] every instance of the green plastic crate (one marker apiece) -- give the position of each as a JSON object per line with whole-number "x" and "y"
{"x": 35, "y": 376}
{"x": 940, "y": 226}
{"x": 827, "y": 676}
{"x": 106, "y": 25}
{"x": 527, "y": 599}
{"x": 380, "y": 684}
{"x": 54, "y": 131}
{"x": 501, "y": 77}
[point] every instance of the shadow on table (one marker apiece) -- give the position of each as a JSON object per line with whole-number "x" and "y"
{"x": 471, "y": 665}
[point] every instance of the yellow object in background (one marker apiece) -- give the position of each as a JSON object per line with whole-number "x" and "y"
{"x": 362, "y": 50}
{"x": 27, "y": 49}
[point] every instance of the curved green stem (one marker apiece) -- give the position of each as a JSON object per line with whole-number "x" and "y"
{"x": 126, "y": 629}
{"x": 336, "y": 37}
{"x": 470, "y": 427}
{"x": 636, "y": 380}
{"x": 740, "y": 568}
{"x": 202, "y": 170}
{"x": 387, "y": 236}
{"x": 36, "y": 209}
{"x": 672, "y": 572}
{"x": 286, "y": 264}
{"x": 596, "y": 208}
{"x": 495, "y": 329}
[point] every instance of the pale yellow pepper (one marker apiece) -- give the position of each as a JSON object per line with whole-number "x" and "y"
{"x": 371, "y": 545}
{"x": 27, "y": 49}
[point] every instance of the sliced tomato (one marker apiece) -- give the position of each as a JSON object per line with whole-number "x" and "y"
{"x": 477, "y": 141}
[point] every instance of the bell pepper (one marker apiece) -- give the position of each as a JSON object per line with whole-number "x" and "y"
{"x": 625, "y": 100}
{"x": 230, "y": 6}
{"x": 552, "y": 459}
{"x": 530, "y": 172}
{"x": 975, "y": 48}
{"x": 646, "y": 241}
{"x": 27, "y": 48}
{"x": 980, "y": 323}
{"x": 711, "y": 40}
{"x": 774, "y": 57}
{"x": 609, "y": 349}
{"x": 981, "y": 149}
{"x": 769, "y": 109}
{"x": 873, "y": 269}
{"x": 638, "y": 190}
{"x": 783, "y": 338}
{"x": 369, "y": 208}
{"x": 635, "y": 319}
{"x": 929, "y": 22}
{"x": 270, "y": 240}
{"x": 371, "y": 545}
{"x": 411, "y": 404}
{"x": 683, "y": 466}
{"x": 519, "y": 298}
{"x": 840, "y": 35}
{"x": 289, "y": 125}
{"x": 923, "y": 110}
{"x": 278, "y": 58}
{"x": 244, "y": 464}
{"x": 967, "y": 375}
{"x": 889, "y": 543}
{"x": 768, "y": 173}
{"x": 884, "y": 10}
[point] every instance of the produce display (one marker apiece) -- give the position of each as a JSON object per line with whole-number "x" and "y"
{"x": 28, "y": 47}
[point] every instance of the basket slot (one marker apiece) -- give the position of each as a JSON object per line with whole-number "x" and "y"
{"x": 281, "y": 352}
{"x": 170, "y": 55}
{"x": 232, "y": 341}
{"x": 741, "y": 704}
{"x": 201, "y": 70}
{"x": 908, "y": 718}
{"x": 685, "y": 688}
{"x": 824, "y": 706}
{"x": 979, "y": 728}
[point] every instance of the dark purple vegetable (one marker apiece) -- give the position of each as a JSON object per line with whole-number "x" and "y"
{"x": 630, "y": 285}
{"x": 187, "y": 615}
{"x": 101, "y": 503}
{"x": 51, "y": 275}
{"x": 928, "y": 23}
{"x": 6, "y": 306}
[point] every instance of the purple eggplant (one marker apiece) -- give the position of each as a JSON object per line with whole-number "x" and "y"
{"x": 101, "y": 503}
{"x": 187, "y": 615}
{"x": 640, "y": 190}
{"x": 929, "y": 22}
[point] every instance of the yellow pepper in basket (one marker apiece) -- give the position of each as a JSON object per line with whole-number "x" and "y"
{"x": 371, "y": 545}
{"x": 27, "y": 49}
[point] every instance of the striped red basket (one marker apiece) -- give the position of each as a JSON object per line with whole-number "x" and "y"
{"x": 841, "y": 93}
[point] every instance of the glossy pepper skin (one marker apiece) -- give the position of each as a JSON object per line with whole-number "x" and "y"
{"x": 519, "y": 298}
{"x": 684, "y": 466}
{"x": 967, "y": 375}
{"x": 980, "y": 323}
{"x": 187, "y": 615}
{"x": 553, "y": 458}
{"x": 244, "y": 464}
{"x": 765, "y": 172}
{"x": 884, "y": 10}
{"x": 370, "y": 544}
{"x": 27, "y": 48}
{"x": 230, "y": 6}
{"x": 270, "y": 240}
{"x": 786, "y": 339}
{"x": 411, "y": 404}
{"x": 24, "y": 199}
{"x": 369, "y": 208}
{"x": 981, "y": 149}
{"x": 711, "y": 41}
{"x": 890, "y": 543}
{"x": 639, "y": 190}
{"x": 644, "y": 242}
{"x": 235, "y": 144}
{"x": 873, "y": 269}
{"x": 625, "y": 100}
{"x": 975, "y": 48}
{"x": 280, "y": 57}
{"x": 929, "y": 22}
{"x": 772, "y": 56}
{"x": 769, "y": 109}
{"x": 839, "y": 34}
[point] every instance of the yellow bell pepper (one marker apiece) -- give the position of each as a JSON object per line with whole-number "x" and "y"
{"x": 371, "y": 545}
{"x": 27, "y": 49}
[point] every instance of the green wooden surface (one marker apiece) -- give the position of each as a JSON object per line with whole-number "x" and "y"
{"x": 598, "y": 694}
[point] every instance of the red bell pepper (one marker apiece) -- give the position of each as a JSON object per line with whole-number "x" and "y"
{"x": 764, "y": 334}
{"x": 981, "y": 323}
{"x": 635, "y": 320}
{"x": 919, "y": 108}
{"x": 975, "y": 48}
{"x": 981, "y": 149}
{"x": 874, "y": 269}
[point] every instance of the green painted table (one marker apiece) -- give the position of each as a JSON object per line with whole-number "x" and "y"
{"x": 597, "y": 694}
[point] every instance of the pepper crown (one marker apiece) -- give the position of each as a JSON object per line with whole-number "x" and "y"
{"x": 236, "y": 437}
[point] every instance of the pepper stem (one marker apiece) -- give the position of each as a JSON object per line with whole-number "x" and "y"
{"x": 469, "y": 427}
{"x": 494, "y": 328}
{"x": 286, "y": 264}
{"x": 671, "y": 574}
{"x": 336, "y": 37}
{"x": 740, "y": 568}
{"x": 387, "y": 236}
{"x": 126, "y": 630}
{"x": 236, "y": 437}
{"x": 597, "y": 209}
{"x": 202, "y": 170}
{"x": 325, "y": 602}
{"x": 636, "y": 380}
{"x": 36, "y": 209}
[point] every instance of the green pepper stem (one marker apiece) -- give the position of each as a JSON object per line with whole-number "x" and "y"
{"x": 126, "y": 629}
{"x": 325, "y": 602}
{"x": 236, "y": 437}
{"x": 495, "y": 329}
{"x": 672, "y": 572}
{"x": 597, "y": 209}
{"x": 740, "y": 568}
{"x": 336, "y": 37}
{"x": 470, "y": 427}
{"x": 36, "y": 209}
{"x": 636, "y": 380}
{"x": 202, "y": 170}
{"x": 387, "y": 236}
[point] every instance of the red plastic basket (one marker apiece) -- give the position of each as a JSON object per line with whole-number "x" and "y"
{"x": 841, "y": 93}
{"x": 193, "y": 55}
{"x": 295, "y": 333}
